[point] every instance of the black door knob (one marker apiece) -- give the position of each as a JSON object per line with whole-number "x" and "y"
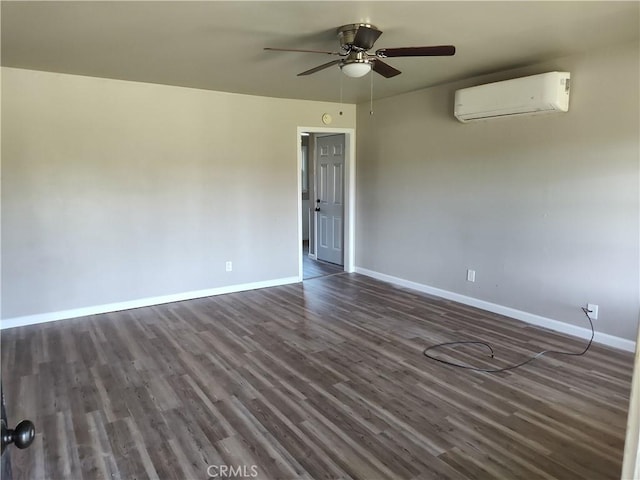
{"x": 22, "y": 436}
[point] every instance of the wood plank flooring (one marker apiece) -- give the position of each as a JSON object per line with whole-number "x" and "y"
{"x": 323, "y": 379}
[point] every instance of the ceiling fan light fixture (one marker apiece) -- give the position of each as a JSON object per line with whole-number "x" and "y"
{"x": 356, "y": 69}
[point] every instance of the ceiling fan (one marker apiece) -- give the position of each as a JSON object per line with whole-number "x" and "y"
{"x": 356, "y": 39}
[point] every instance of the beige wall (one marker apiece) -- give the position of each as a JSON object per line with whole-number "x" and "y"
{"x": 544, "y": 208}
{"x": 115, "y": 191}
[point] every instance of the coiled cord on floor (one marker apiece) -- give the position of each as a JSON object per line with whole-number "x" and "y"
{"x": 497, "y": 370}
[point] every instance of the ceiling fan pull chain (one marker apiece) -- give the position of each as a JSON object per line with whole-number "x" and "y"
{"x": 341, "y": 77}
{"x": 371, "y": 104}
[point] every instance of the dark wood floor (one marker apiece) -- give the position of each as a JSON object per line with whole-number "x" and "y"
{"x": 322, "y": 379}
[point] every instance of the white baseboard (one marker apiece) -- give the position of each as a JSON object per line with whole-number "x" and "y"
{"x": 580, "y": 332}
{"x": 143, "y": 302}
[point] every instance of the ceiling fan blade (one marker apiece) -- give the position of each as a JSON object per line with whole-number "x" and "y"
{"x": 366, "y": 37}
{"x": 385, "y": 69}
{"x": 435, "y": 51}
{"x": 303, "y": 51}
{"x": 320, "y": 67}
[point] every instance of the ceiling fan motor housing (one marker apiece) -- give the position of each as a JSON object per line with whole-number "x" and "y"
{"x": 347, "y": 33}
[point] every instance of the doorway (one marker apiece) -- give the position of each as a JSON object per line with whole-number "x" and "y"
{"x": 326, "y": 201}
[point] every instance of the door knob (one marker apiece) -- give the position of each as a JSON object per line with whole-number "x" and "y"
{"x": 22, "y": 436}
{"x": 317, "y": 209}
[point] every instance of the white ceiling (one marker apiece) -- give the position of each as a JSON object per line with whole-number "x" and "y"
{"x": 219, "y": 45}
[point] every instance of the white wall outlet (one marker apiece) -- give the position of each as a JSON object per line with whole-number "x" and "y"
{"x": 228, "y": 266}
{"x": 592, "y": 310}
{"x": 471, "y": 275}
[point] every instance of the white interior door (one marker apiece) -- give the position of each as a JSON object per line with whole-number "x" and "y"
{"x": 329, "y": 205}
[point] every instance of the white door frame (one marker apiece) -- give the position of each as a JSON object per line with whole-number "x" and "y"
{"x": 349, "y": 193}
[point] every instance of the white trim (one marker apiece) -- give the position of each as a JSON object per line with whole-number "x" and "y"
{"x": 299, "y": 202}
{"x": 580, "y": 332}
{"x": 631, "y": 459}
{"x": 350, "y": 197}
{"x": 143, "y": 302}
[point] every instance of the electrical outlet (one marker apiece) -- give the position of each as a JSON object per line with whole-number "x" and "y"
{"x": 471, "y": 275}
{"x": 229, "y": 266}
{"x": 592, "y": 310}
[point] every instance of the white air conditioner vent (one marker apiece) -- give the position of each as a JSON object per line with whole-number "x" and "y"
{"x": 536, "y": 94}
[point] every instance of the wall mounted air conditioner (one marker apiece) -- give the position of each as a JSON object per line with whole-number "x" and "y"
{"x": 544, "y": 93}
